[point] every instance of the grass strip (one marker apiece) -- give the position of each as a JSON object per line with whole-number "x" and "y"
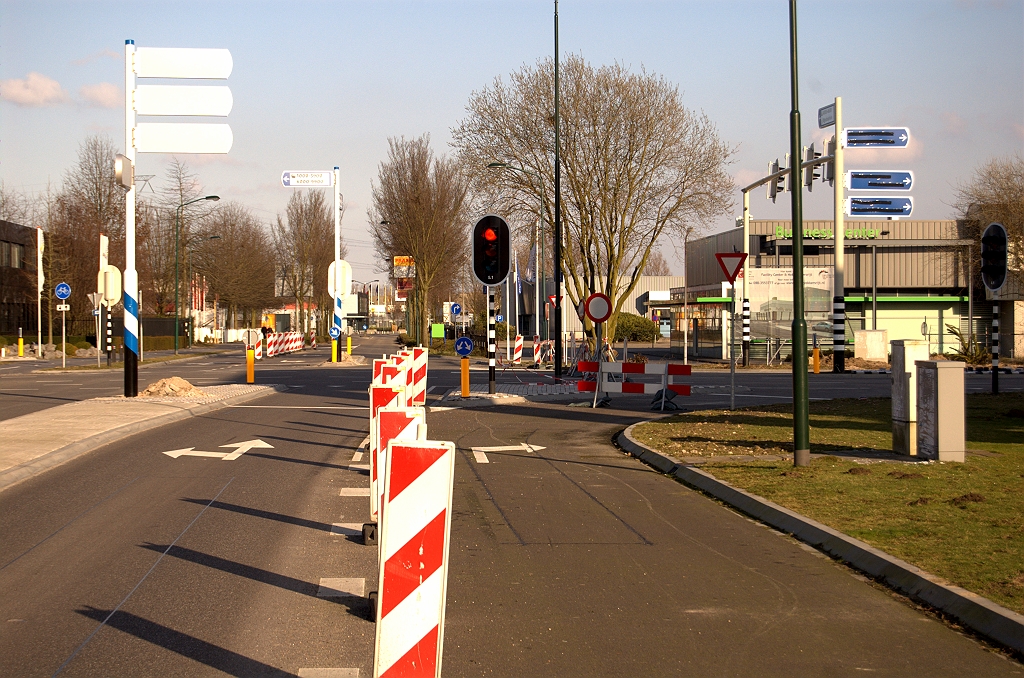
{"x": 962, "y": 522}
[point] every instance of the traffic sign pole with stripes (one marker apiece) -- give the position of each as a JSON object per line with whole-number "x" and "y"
{"x": 413, "y": 578}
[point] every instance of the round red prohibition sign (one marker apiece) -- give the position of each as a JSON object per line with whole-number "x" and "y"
{"x": 598, "y": 307}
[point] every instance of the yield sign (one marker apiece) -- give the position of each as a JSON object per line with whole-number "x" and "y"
{"x": 731, "y": 263}
{"x": 551, "y": 299}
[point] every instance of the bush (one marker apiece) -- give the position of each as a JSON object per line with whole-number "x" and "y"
{"x": 636, "y": 328}
{"x": 83, "y": 344}
{"x": 4, "y": 341}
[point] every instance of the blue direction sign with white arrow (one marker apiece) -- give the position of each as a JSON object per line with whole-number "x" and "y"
{"x": 334, "y": 331}
{"x": 463, "y": 346}
{"x": 456, "y": 309}
{"x": 879, "y": 180}
{"x": 63, "y": 290}
{"x": 876, "y": 137}
{"x": 879, "y": 206}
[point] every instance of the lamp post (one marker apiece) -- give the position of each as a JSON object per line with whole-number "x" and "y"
{"x": 191, "y": 308}
{"x": 539, "y": 279}
{"x": 177, "y": 220}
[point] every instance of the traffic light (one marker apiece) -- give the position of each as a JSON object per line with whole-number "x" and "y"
{"x": 993, "y": 256}
{"x": 813, "y": 172}
{"x": 828, "y": 170}
{"x": 773, "y": 185}
{"x": 786, "y": 181}
{"x": 491, "y": 250}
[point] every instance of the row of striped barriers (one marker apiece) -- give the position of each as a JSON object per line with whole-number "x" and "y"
{"x": 411, "y": 481}
{"x": 614, "y": 378}
{"x": 280, "y": 343}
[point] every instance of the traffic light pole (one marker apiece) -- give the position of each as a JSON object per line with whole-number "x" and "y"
{"x": 558, "y": 224}
{"x": 839, "y": 235}
{"x": 995, "y": 348}
{"x": 491, "y": 348}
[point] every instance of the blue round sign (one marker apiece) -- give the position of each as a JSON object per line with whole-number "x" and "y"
{"x": 63, "y": 290}
{"x": 335, "y": 331}
{"x": 463, "y": 346}
{"x": 456, "y": 309}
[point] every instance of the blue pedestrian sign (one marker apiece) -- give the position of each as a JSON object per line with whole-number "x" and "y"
{"x": 335, "y": 331}
{"x": 463, "y": 346}
{"x": 878, "y": 206}
{"x": 876, "y": 137}
{"x": 456, "y": 309}
{"x": 879, "y": 180}
{"x": 63, "y": 290}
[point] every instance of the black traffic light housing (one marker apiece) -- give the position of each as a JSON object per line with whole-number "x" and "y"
{"x": 491, "y": 250}
{"x": 993, "y": 256}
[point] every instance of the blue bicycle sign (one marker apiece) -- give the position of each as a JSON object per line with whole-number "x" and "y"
{"x": 463, "y": 346}
{"x": 63, "y": 290}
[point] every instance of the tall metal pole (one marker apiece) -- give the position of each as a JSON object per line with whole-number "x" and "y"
{"x": 491, "y": 347}
{"x": 177, "y": 218}
{"x": 336, "y": 320}
{"x": 746, "y": 298}
{"x": 839, "y": 233}
{"x": 131, "y": 276}
{"x": 801, "y": 428}
{"x": 874, "y": 287}
{"x": 558, "y": 221}
{"x": 40, "y": 282}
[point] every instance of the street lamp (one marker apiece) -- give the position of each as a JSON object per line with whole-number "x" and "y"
{"x": 191, "y": 309}
{"x": 539, "y": 286}
{"x": 177, "y": 220}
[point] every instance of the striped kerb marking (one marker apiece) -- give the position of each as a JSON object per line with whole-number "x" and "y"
{"x": 414, "y": 556}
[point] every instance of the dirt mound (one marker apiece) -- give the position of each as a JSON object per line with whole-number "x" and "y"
{"x": 173, "y": 386}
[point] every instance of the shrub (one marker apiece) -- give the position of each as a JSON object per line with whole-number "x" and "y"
{"x": 636, "y": 328}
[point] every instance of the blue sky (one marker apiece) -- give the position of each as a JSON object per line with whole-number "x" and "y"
{"x": 318, "y": 84}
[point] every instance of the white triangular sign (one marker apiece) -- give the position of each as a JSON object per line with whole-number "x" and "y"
{"x": 731, "y": 263}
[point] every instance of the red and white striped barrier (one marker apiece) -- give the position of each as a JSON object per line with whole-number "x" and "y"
{"x": 395, "y": 423}
{"x": 284, "y": 342}
{"x": 419, "y": 376}
{"x": 603, "y": 369}
{"x": 413, "y": 576}
{"x": 380, "y": 396}
{"x": 259, "y": 348}
{"x": 536, "y": 349}
{"x": 517, "y": 352}
{"x": 312, "y": 339}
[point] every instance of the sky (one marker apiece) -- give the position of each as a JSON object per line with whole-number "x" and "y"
{"x": 319, "y": 84}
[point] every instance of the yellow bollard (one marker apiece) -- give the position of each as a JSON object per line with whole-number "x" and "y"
{"x": 21, "y": 347}
{"x": 334, "y": 350}
{"x": 817, "y": 360}
{"x": 348, "y": 345}
{"x": 465, "y": 377}
{"x": 250, "y": 365}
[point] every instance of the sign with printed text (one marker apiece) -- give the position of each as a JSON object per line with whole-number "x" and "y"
{"x": 295, "y": 179}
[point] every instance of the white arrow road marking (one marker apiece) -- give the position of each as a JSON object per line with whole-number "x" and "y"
{"x": 240, "y": 449}
{"x": 481, "y": 457}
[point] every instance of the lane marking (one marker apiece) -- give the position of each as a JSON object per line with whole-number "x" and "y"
{"x": 480, "y": 457}
{"x": 301, "y": 407}
{"x": 347, "y": 529}
{"x": 366, "y": 440}
{"x": 521, "y": 447}
{"x": 341, "y": 587}
{"x": 358, "y": 467}
{"x": 357, "y": 457}
{"x": 328, "y": 673}
{"x": 433, "y": 389}
{"x": 354, "y": 492}
{"x": 240, "y": 449}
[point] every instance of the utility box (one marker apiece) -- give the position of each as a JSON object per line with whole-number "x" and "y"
{"x": 905, "y": 354}
{"x": 940, "y": 410}
{"x": 871, "y": 345}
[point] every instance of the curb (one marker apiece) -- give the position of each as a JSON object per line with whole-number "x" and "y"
{"x": 980, "y": 614}
{"x": 188, "y": 358}
{"x": 32, "y": 468}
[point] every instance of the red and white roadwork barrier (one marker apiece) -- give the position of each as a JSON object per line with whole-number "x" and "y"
{"x": 419, "y": 376}
{"x": 284, "y": 342}
{"x": 413, "y": 576}
{"x": 380, "y": 396}
{"x": 517, "y": 352}
{"x": 395, "y": 423}
{"x": 603, "y": 370}
{"x": 259, "y": 348}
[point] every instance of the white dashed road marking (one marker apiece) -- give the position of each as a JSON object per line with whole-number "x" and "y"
{"x": 355, "y": 492}
{"x": 328, "y": 673}
{"x": 341, "y": 587}
{"x": 358, "y": 456}
{"x": 347, "y": 529}
{"x": 480, "y": 457}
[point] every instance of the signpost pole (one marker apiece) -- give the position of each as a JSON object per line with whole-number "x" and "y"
{"x": 801, "y": 428}
{"x": 995, "y": 347}
{"x": 732, "y": 348}
{"x": 338, "y": 298}
{"x": 63, "y": 339}
{"x": 839, "y": 233}
{"x": 746, "y": 298}
{"x": 490, "y": 340}
{"x": 131, "y": 276}
{"x": 39, "y": 292}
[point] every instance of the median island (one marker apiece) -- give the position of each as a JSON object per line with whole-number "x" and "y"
{"x": 963, "y": 522}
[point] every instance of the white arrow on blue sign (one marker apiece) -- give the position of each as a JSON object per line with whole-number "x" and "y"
{"x": 335, "y": 331}
{"x": 456, "y": 309}
{"x": 879, "y": 180}
{"x": 878, "y": 206}
{"x": 63, "y": 290}
{"x": 463, "y": 346}
{"x": 876, "y": 137}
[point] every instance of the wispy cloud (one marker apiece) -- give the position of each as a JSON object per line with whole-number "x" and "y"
{"x": 102, "y": 54}
{"x": 953, "y": 124}
{"x": 34, "y": 90}
{"x": 102, "y": 94}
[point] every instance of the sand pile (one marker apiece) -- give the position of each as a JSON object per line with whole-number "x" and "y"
{"x": 174, "y": 386}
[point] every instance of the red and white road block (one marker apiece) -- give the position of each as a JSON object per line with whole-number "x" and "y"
{"x": 419, "y": 376}
{"x": 413, "y": 578}
{"x": 395, "y": 423}
{"x": 259, "y": 348}
{"x": 380, "y": 397}
{"x": 666, "y": 370}
{"x": 536, "y": 349}
{"x": 517, "y": 353}
{"x": 284, "y": 342}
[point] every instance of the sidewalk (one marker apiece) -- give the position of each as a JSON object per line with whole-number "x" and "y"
{"x": 36, "y": 442}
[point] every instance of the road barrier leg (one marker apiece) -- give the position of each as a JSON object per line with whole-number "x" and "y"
{"x": 465, "y": 377}
{"x": 250, "y": 365}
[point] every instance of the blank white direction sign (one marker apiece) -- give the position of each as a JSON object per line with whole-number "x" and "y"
{"x": 183, "y": 100}
{"x": 182, "y": 137}
{"x": 240, "y": 449}
{"x": 183, "y": 62}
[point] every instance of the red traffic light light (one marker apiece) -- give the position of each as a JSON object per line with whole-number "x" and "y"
{"x": 490, "y": 234}
{"x": 491, "y": 250}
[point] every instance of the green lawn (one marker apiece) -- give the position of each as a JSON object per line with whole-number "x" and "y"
{"x": 963, "y": 522}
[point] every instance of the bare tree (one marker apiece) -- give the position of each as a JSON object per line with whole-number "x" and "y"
{"x": 636, "y": 163}
{"x": 239, "y": 264}
{"x": 304, "y": 244}
{"x": 996, "y": 193}
{"x": 418, "y": 210}
{"x": 657, "y": 264}
{"x": 14, "y": 206}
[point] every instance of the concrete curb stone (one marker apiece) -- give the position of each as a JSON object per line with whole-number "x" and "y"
{"x": 29, "y": 469}
{"x": 984, "y": 616}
